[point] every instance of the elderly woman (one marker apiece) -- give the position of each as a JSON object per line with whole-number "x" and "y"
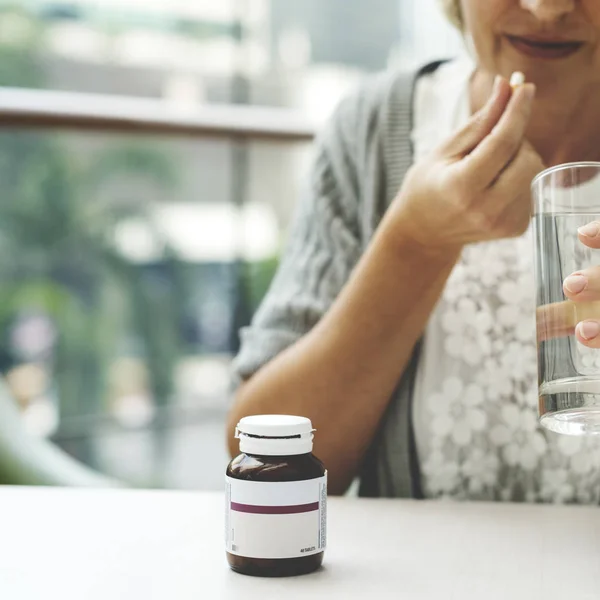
{"x": 401, "y": 318}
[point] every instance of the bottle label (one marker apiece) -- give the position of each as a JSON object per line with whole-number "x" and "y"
{"x": 275, "y": 520}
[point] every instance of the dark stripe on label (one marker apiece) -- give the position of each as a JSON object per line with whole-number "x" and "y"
{"x": 274, "y": 510}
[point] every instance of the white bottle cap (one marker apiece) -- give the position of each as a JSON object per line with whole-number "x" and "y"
{"x": 275, "y": 435}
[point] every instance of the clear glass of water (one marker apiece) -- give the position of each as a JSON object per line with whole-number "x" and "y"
{"x": 565, "y": 198}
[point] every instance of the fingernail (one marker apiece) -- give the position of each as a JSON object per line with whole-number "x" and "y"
{"x": 589, "y": 329}
{"x": 575, "y": 283}
{"x": 590, "y": 230}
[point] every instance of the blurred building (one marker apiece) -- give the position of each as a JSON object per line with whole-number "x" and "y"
{"x": 338, "y": 30}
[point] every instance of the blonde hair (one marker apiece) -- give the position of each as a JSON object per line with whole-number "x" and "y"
{"x": 453, "y": 12}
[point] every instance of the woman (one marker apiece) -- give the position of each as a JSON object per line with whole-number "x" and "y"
{"x": 400, "y": 319}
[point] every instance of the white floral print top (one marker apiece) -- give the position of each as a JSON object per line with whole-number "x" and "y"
{"x": 475, "y": 402}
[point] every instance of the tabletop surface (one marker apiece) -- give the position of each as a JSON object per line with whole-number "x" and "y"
{"x": 145, "y": 545}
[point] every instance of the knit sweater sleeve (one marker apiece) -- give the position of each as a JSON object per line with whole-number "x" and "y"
{"x": 324, "y": 245}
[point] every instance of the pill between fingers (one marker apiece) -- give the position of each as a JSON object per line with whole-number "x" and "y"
{"x": 517, "y": 79}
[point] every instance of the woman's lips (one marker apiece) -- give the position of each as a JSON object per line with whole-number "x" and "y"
{"x": 544, "y": 48}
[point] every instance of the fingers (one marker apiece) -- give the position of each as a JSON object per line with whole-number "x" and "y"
{"x": 490, "y": 157}
{"x": 583, "y": 289}
{"x": 481, "y": 124}
{"x": 590, "y": 234}
{"x": 581, "y": 313}
{"x": 588, "y": 333}
{"x": 558, "y": 320}
{"x": 563, "y": 318}
{"x": 583, "y": 285}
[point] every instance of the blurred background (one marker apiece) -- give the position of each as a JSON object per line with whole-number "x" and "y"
{"x": 129, "y": 260}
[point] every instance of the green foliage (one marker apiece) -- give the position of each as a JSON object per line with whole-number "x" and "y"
{"x": 258, "y": 276}
{"x": 58, "y": 253}
{"x": 56, "y": 238}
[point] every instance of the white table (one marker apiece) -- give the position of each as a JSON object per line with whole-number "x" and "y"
{"x": 136, "y": 545}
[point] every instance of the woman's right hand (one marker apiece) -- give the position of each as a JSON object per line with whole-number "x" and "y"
{"x": 476, "y": 185}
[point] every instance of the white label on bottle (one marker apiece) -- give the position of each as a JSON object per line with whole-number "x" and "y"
{"x": 275, "y": 520}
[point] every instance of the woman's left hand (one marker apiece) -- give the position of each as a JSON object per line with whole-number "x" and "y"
{"x": 583, "y": 288}
{"x": 580, "y": 314}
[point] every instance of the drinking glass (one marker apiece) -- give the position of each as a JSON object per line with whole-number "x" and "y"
{"x": 565, "y": 198}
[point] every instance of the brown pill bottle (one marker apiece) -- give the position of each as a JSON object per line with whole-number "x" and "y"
{"x": 276, "y": 499}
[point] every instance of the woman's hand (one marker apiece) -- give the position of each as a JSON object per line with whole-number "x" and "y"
{"x": 475, "y": 186}
{"x": 581, "y": 312}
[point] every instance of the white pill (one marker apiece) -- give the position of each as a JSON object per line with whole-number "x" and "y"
{"x": 517, "y": 79}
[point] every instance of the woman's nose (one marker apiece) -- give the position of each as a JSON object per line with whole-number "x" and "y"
{"x": 549, "y": 10}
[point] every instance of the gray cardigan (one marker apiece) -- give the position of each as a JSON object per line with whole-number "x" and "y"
{"x": 360, "y": 162}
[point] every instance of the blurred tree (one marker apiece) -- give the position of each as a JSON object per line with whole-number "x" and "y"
{"x": 58, "y": 218}
{"x": 60, "y": 259}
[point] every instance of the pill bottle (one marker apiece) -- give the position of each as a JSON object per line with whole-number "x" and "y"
{"x": 276, "y": 499}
